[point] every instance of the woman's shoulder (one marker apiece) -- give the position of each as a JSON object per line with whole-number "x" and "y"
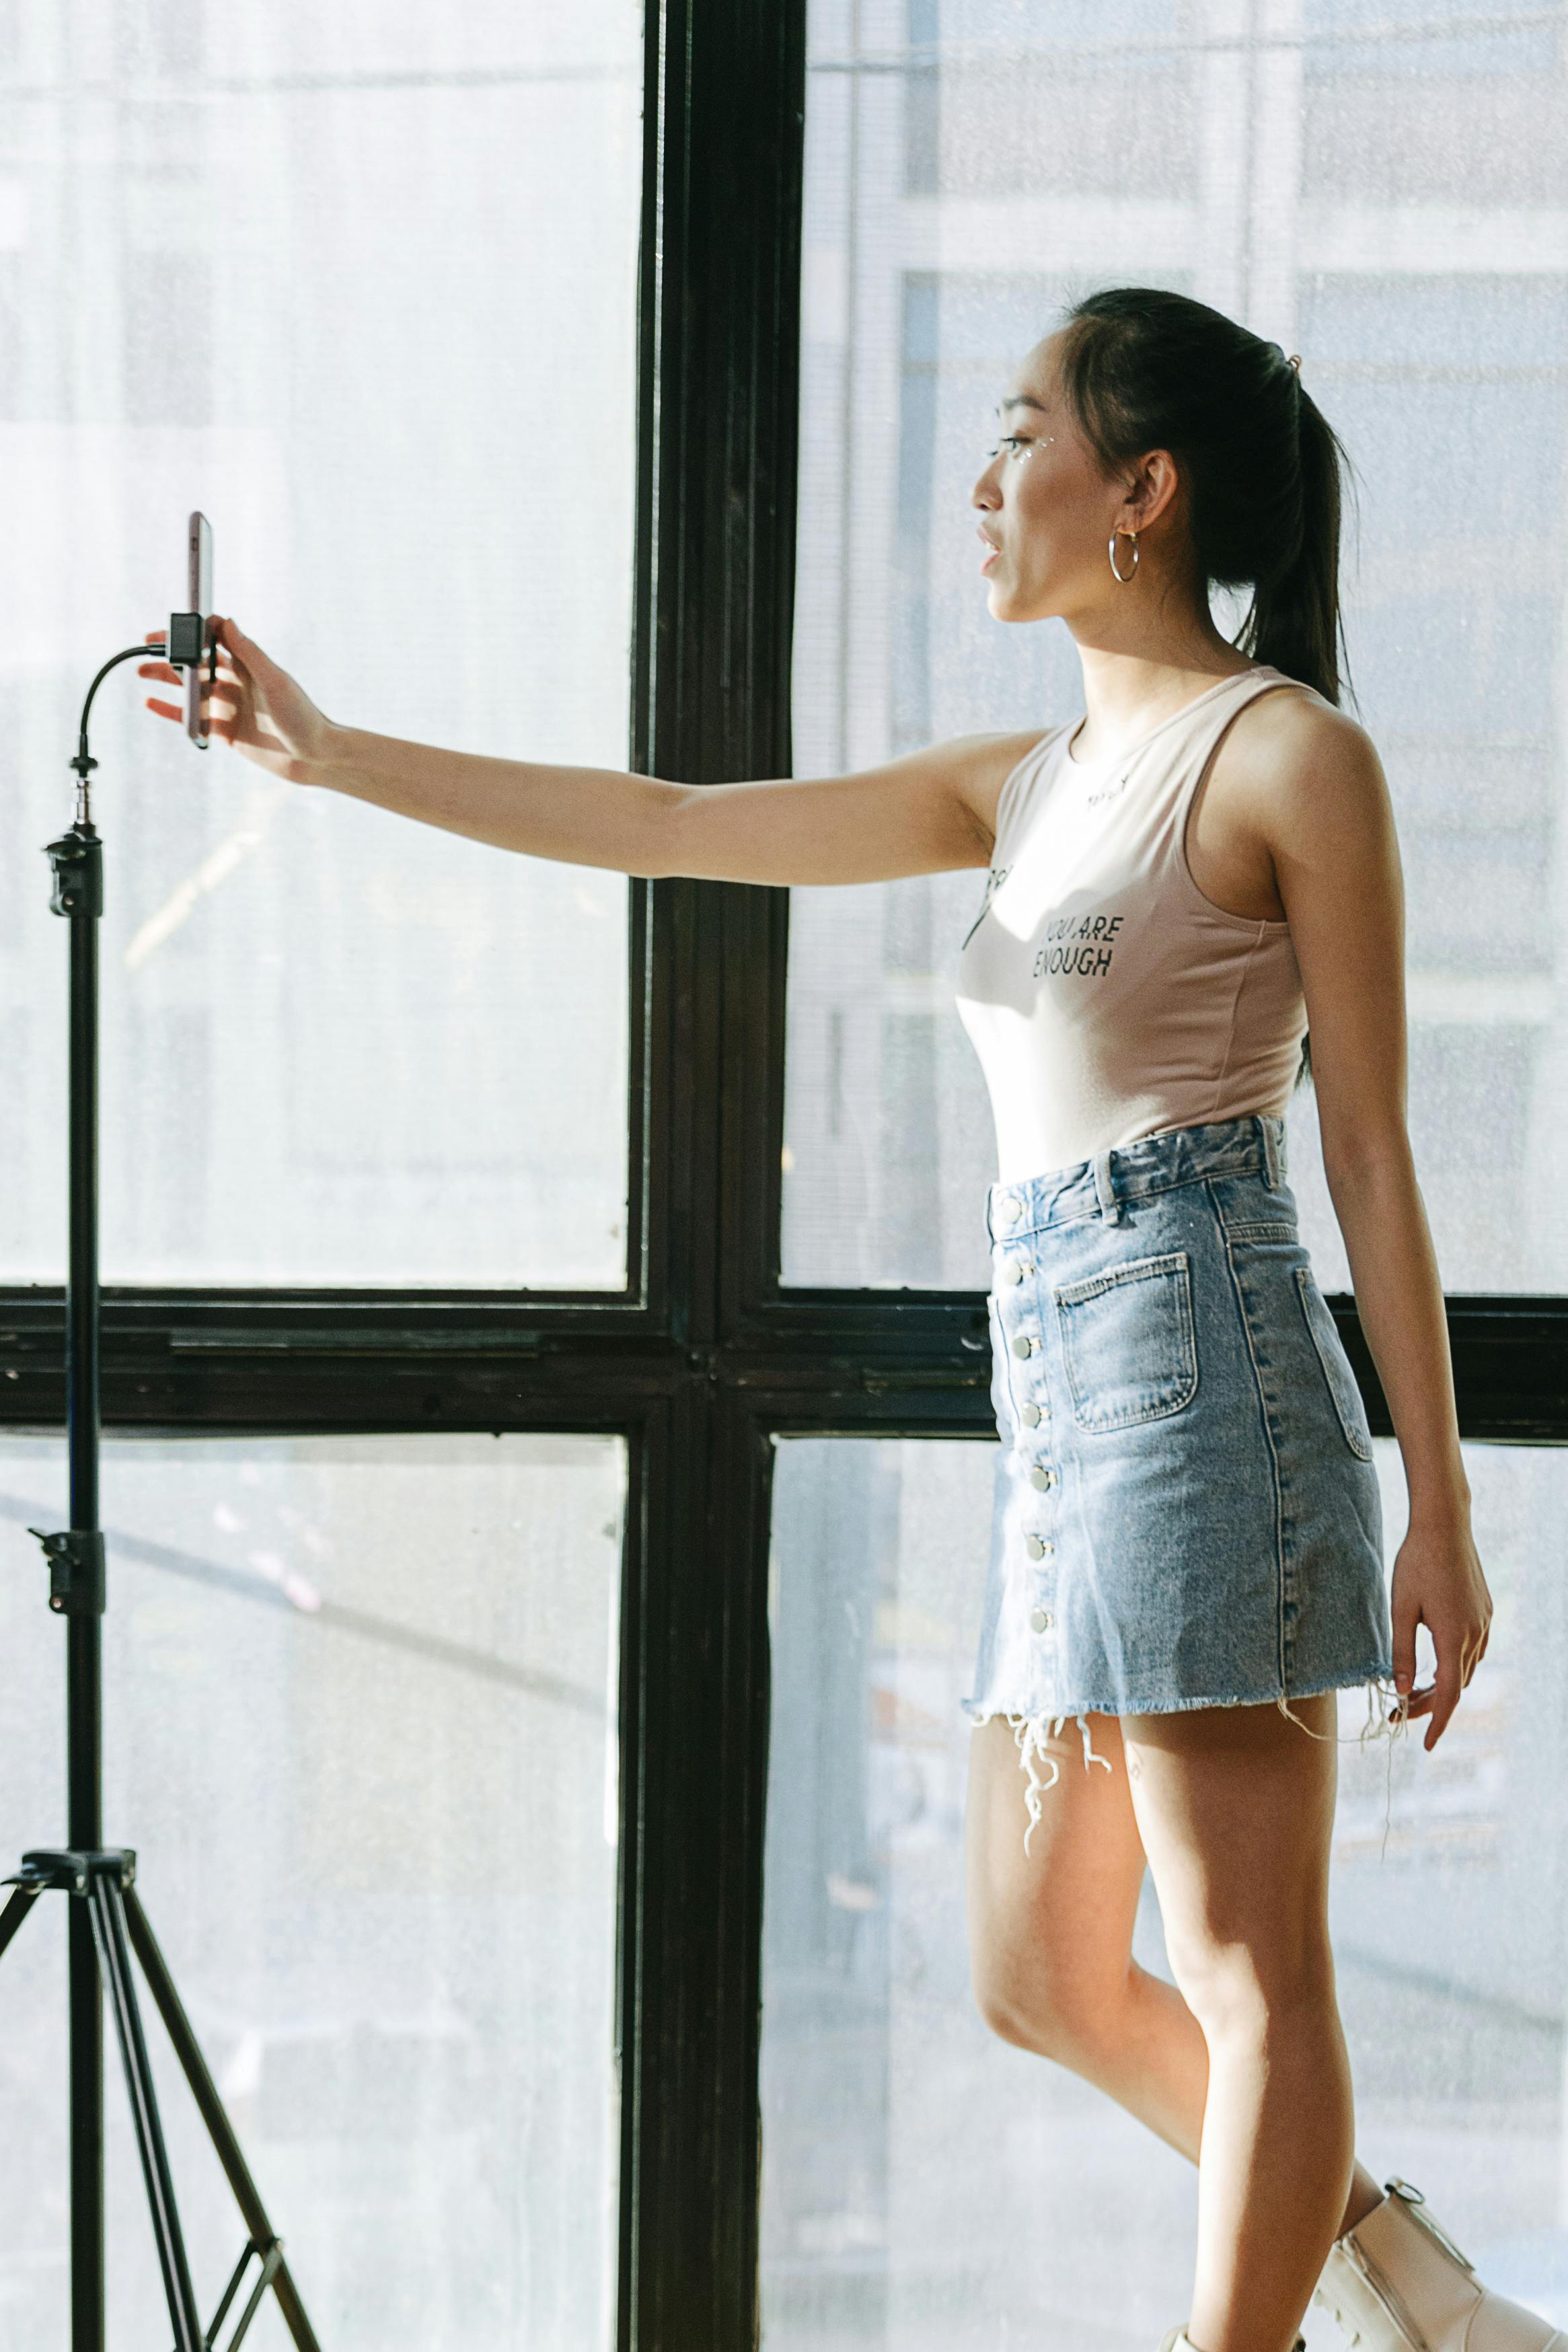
{"x": 1296, "y": 719}
{"x": 1290, "y": 754}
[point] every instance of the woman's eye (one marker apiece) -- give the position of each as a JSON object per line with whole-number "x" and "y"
{"x": 1012, "y": 442}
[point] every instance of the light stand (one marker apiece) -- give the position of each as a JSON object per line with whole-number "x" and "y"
{"x": 107, "y": 1922}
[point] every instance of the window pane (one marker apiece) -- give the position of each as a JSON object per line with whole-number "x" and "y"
{"x": 359, "y": 1725}
{"x": 1369, "y": 193}
{"x": 360, "y": 287}
{"x": 927, "y": 2185}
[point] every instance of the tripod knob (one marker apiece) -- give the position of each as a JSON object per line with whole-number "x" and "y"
{"x": 77, "y": 1579}
{"x": 77, "y": 862}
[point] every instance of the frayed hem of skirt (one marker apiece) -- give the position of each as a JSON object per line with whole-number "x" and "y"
{"x": 1385, "y": 1719}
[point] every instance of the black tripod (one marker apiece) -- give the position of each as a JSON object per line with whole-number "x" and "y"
{"x": 107, "y": 1923}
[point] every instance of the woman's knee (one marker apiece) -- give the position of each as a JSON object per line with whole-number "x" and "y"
{"x": 1056, "y": 2007}
{"x": 1249, "y": 1983}
{"x": 1050, "y": 1923}
{"x": 1236, "y": 1812}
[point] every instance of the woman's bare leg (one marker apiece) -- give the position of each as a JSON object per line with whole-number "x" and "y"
{"x": 1050, "y": 1932}
{"x": 1050, "y": 1935}
{"x": 1235, "y": 1807}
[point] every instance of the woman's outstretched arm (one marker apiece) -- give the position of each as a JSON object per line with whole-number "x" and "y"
{"x": 929, "y": 811}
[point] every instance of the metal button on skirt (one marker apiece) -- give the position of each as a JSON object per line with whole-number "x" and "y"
{"x": 1187, "y": 1513}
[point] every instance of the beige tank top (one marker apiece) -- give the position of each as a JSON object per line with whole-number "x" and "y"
{"x": 1106, "y": 997}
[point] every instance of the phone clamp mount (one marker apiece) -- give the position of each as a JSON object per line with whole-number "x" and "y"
{"x": 107, "y": 1927}
{"x": 190, "y": 634}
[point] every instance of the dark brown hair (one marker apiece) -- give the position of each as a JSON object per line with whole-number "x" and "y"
{"x": 1264, "y": 470}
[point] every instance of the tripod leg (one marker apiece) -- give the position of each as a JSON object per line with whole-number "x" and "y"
{"x": 205, "y": 2091}
{"x": 106, "y": 1903}
{"x": 15, "y": 1911}
{"x": 84, "y": 1993}
{"x": 242, "y": 2325}
{"x": 85, "y": 2010}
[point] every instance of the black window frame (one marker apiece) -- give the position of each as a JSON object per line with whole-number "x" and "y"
{"x": 704, "y": 1359}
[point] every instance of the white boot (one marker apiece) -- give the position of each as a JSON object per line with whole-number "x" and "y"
{"x": 1397, "y": 2283}
{"x": 1177, "y": 2339}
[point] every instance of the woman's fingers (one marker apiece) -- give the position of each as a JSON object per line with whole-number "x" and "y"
{"x": 222, "y": 697}
{"x": 170, "y": 675}
{"x": 217, "y": 727}
{"x": 221, "y": 708}
{"x": 227, "y": 689}
{"x": 251, "y": 705}
{"x": 1448, "y": 1682}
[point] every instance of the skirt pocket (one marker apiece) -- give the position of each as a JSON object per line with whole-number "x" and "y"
{"x": 1127, "y": 1342}
{"x": 1002, "y": 1409}
{"x": 1337, "y": 1372}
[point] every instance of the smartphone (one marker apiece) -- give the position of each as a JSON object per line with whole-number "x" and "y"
{"x": 198, "y": 598}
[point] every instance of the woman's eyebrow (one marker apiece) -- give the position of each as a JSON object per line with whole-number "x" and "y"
{"x": 1021, "y": 400}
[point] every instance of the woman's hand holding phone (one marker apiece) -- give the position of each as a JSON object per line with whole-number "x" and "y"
{"x": 255, "y": 705}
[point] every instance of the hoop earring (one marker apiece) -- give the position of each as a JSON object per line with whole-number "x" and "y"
{"x": 1124, "y": 576}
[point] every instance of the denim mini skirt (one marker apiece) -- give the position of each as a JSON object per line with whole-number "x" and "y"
{"x": 1185, "y": 1512}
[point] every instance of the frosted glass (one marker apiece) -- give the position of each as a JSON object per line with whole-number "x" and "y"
{"x": 360, "y": 284}
{"x": 1370, "y": 188}
{"x": 359, "y": 1725}
{"x": 930, "y": 2187}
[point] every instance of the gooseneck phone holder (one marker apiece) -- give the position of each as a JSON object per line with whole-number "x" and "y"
{"x": 108, "y": 1926}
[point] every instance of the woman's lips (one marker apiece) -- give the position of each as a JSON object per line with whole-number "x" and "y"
{"x": 990, "y": 555}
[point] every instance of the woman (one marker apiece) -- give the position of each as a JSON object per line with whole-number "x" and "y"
{"x": 1186, "y": 1548}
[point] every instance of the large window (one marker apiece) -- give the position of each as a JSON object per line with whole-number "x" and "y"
{"x": 560, "y": 381}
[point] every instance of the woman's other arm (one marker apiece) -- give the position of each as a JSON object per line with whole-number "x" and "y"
{"x": 1329, "y": 826}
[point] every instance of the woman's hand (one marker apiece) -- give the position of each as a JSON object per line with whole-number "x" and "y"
{"x": 1439, "y": 1583}
{"x": 255, "y": 705}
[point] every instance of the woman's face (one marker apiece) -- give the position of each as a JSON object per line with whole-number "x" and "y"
{"x": 1047, "y": 508}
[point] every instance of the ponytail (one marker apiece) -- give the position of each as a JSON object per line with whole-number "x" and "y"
{"x": 1295, "y": 623}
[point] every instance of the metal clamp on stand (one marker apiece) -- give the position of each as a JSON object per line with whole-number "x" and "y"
{"x": 70, "y": 1868}
{"x": 76, "y": 859}
{"x": 78, "y": 1580}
